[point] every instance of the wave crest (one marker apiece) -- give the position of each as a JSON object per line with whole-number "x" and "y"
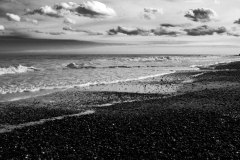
{"x": 18, "y": 69}
{"x": 83, "y": 66}
{"x": 68, "y": 86}
{"x": 150, "y": 59}
{"x": 79, "y": 66}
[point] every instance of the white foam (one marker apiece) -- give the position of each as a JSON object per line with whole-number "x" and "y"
{"x": 196, "y": 75}
{"x": 188, "y": 81}
{"x": 19, "y": 98}
{"x": 65, "y": 87}
{"x": 211, "y": 64}
{"x": 113, "y": 103}
{"x": 150, "y": 59}
{"x": 9, "y": 128}
{"x": 19, "y": 69}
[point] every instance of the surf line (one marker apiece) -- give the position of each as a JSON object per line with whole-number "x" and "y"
{"x": 10, "y": 128}
{"x": 64, "y": 88}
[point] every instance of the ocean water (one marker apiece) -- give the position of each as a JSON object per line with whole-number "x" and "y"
{"x": 26, "y": 75}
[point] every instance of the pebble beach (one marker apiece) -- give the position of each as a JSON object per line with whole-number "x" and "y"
{"x": 182, "y": 115}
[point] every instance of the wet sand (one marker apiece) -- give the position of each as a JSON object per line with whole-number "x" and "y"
{"x": 184, "y": 115}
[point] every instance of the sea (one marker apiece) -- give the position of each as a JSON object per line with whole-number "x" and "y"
{"x": 27, "y": 75}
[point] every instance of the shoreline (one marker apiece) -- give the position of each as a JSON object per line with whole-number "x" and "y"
{"x": 174, "y": 83}
{"x": 81, "y": 86}
{"x": 204, "y": 110}
{"x": 199, "y": 69}
{"x": 41, "y": 91}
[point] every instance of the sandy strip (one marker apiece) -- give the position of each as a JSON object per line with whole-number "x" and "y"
{"x": 130, "y": 101}
{"x": 9, "y": 128}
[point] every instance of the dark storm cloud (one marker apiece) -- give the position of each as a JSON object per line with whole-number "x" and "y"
{"x": 205, "y": 30}
{"x": 201, "y": 15}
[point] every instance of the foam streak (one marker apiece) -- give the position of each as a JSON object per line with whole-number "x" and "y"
{"x": 9, "y": 128}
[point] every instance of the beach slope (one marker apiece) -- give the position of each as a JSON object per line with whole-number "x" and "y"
{"x": 201, "y": 120}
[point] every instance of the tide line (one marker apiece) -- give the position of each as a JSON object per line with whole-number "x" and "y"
{"x": 10, "y": 128}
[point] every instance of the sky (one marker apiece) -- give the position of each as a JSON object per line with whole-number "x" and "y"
{"x": 147, "y": 18}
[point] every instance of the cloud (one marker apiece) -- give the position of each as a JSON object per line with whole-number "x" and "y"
{"x": 27, "y": 10}
{"x": 184, "y": 25}
{"x": 33, "y": 21}
{"x": 237, "y": 21}
{"x": 147, "y": 16}
{"x": 144, "y": 32}
{"x": 194, "y": 1}
{"x": 55, "y": 33}
{"x": 69, "y": 21}
{"x": 89, "y": 32}
{"x": 234, "y": 31}
{"x": 201, "y": 15}
{"x": 94, "y": 9}
{"x": 12, "y": 6}
{"x": 153, "y": 10}
{"x": 13, "y": 17}
{"x": 16, "y": 18}
{"x": 235, "y": 34}
{"x": 166, "y": 31}
{"x": 46, "y": 10}
{"x": 50, "y": 33}
{"x": 2, "y": 28}
{"x": 66, "y": 5}
{"x": 205, "y": 30}
{"x": 217, "y": 1}
{"x": 129, "y": 31}
{"x": 150, "y": 13}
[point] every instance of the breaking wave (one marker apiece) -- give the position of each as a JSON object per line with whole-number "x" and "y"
{"x": 18, "y": 69}
{"x": 83, "y": 66}
{"x": 151, "y": 59}
{"x": 210, "y": 66}
{"x": 79, "y": 66}
{"x": 166, "y": 58}
{"x": 34, "y": 89}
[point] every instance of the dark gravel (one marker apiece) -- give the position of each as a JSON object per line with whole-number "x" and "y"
{"x": 198, "y": 125}
{"x": 202, "y": 125}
